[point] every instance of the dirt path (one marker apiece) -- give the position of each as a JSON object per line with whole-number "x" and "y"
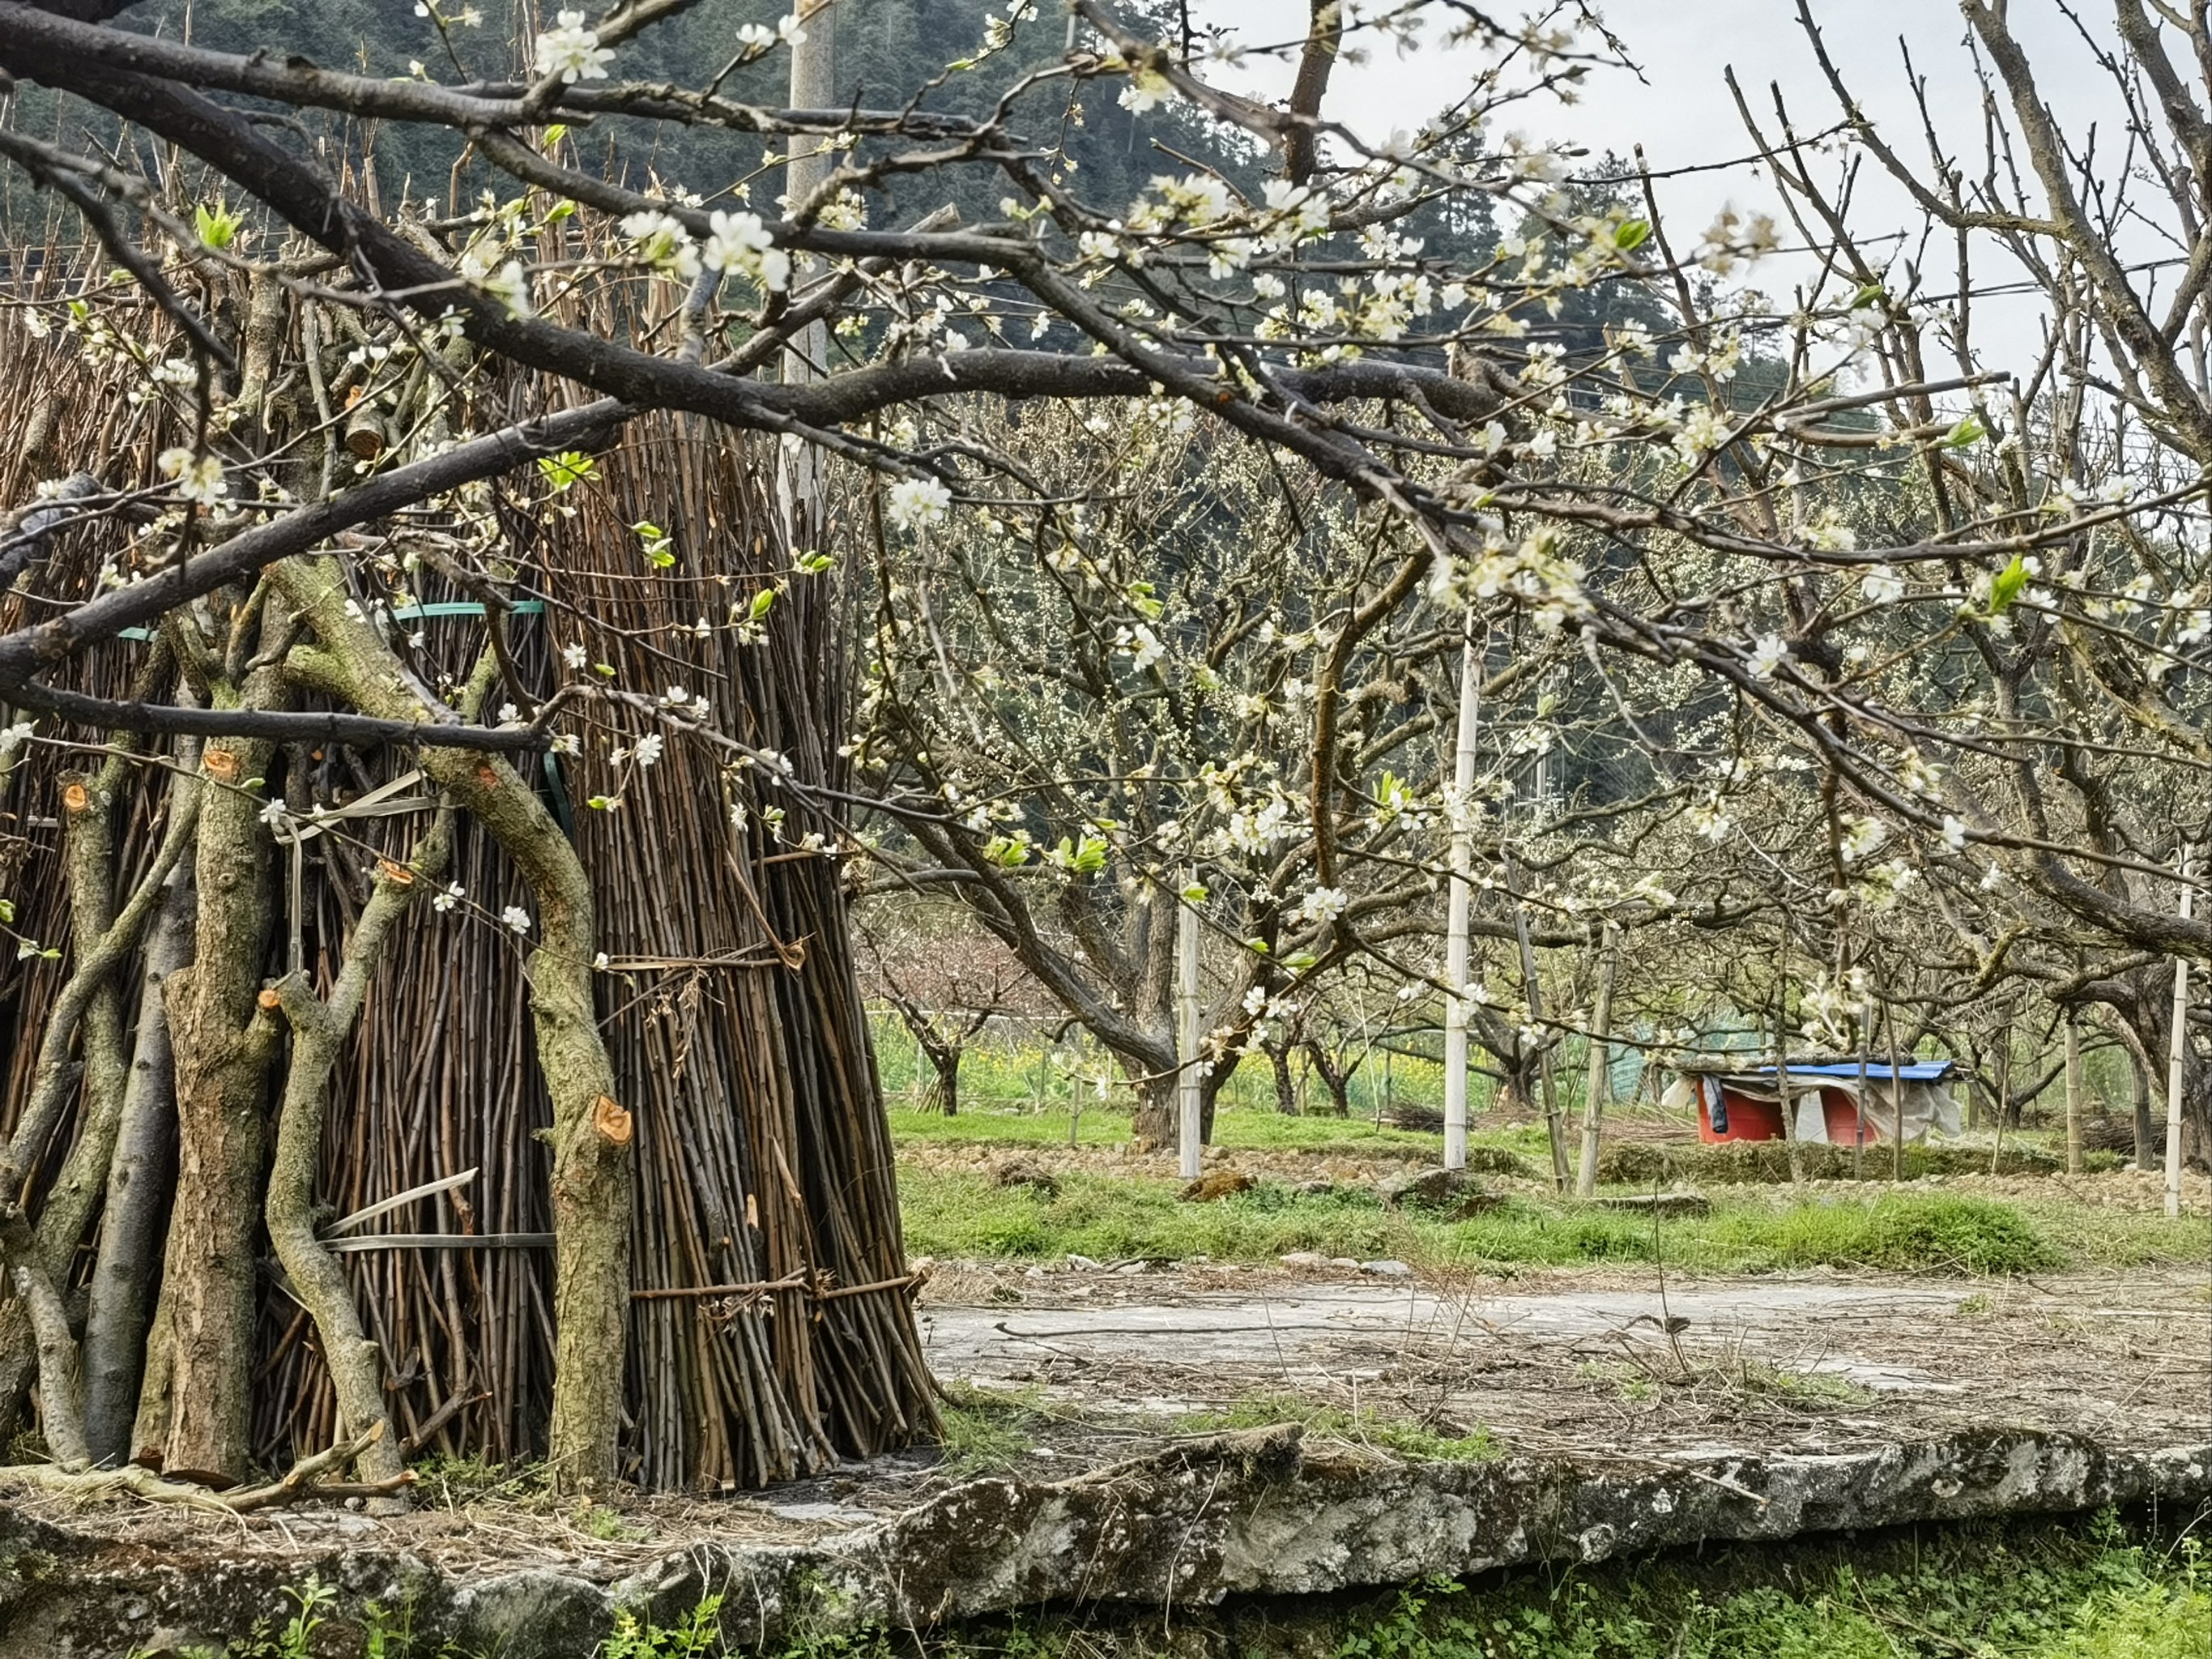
{"x": 1767, "y": 1361}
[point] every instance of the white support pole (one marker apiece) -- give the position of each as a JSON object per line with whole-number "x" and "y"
{"x": 1189, "y": 1093}
{"x": 1456, "y": 923}
{"x": 813, "y": 86}
{"x": 2178, "y": 1052}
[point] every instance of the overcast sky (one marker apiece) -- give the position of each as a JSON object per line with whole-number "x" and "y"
{"x": 1679, "y": 109}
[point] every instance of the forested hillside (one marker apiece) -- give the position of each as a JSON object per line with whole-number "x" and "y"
{"x": 1086, "y": 142}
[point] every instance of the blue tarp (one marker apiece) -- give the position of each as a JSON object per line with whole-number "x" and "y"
{"x": 1920, "y": 1071}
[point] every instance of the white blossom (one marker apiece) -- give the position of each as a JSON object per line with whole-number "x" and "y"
{"x": 916, "y": 501}
{"x": 1862, "y": 836}
{"x": 199, "y": 478}
{"x": 572, "y": 51}
{"x": 1142, "y": 644}
{"x": 1147, "y": 89}
{"x": 739, "y": 242}
{"x": 516, "y": 917}
{"x": 1322, "y": 904}
{"x": 1881, "y": 584}
{"x": 663, "y": 241}
{"x": 509, "y": 283}
{"x": 453, "y": 895}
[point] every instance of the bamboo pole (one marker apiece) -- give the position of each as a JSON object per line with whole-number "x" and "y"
{"x": 1896, "y": 1095}
{"x": 2003, "y": 1069}
{"x": 1782, "y": 1064}
{"x": 1600, "y": 1093}
{"x": 1188, "y": 1090}
{"x": 2073, "y": 1094}
{"x": 1789, "y": 1106}
{"x": 1455, "y": 924}
{"x": 2178, "y": 1050}
{"x": 1859, "y": 1106}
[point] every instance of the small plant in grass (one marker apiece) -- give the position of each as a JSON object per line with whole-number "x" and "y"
{"x": 311, "y": 1601}
{"x": 1406, "y": 1631}
{"x": 607, "y": 1525}
{"x": 986, "y": 1429}
{"x": 389, "y": 1633}
{"x": 1421, "y": 1441}
{"x": 700, "y": 1634}
{"x": 1975, "y": 1305}
{"x": 454, "y": 1480}
{"x": 1758, "y": 1379}
{"x": 1631, "y": 1382}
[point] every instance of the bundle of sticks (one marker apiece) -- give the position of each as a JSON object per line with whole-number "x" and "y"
{"x": 772, "y": 1328}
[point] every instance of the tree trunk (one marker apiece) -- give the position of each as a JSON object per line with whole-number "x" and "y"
{"x": 224, "y": 1036}
{"x": 1286, "y": 1088}
{"x": 592, "y": 1137}
{"x": 944, "y": 1061}
{"x": 88, "y": 863}
{"x": 1517, "y": 1088}
{"x": 319, "y": 1030}
{"x": 2141, "y": 1005}
{"x": 1336, "y": 1080}
{"x": 1155, "y": 1124}
{"x": 138, "y": 1180}
{"x": 1597, "y": 1096}
{"x": 2146, "y": 1135}
{"x": 104, "y": 939}
{"x": 1209, "y": 1092}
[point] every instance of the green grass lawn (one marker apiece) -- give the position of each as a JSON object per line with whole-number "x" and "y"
{"x": 961, "y": 1215}
{"x": 1237, "y": 1130}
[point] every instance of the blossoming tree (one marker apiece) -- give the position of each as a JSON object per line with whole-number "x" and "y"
{"x": 1697, "y": 528}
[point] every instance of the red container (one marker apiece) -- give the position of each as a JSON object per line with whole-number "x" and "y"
{"x": 1761, "y": 1119}
{"x": 1748, "y": 1119}
{"x": 1843, "y": 1118}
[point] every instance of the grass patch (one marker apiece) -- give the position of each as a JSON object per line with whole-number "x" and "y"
{"x": 960, "y": 1215}
{"x": 1418, "y": 1442}
{"x": 1004, "y": 1127}
{"x": 1766, "y": 1382}
{"x": 1641, "y": 1163}
{"x": 1953, "y": 1235}
{"x": 2024, "y": 1596}
{"x": 2120, "y": 1238}
{"x": 986, "y": 1430}
{"x": 449, "y": 1481}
